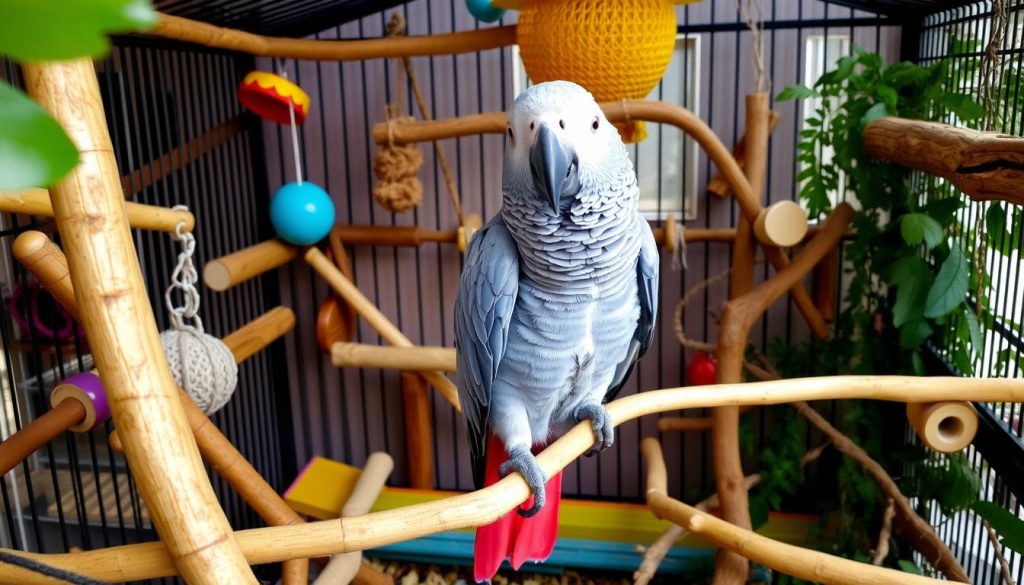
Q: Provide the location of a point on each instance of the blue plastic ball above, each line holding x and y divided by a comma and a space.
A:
484, 11
302, 214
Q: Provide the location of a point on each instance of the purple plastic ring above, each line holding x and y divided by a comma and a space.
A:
87, 389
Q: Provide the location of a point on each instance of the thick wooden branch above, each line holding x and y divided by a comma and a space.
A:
717, 185
88, 205
918, 533
276, 544
984, 165
177, 28
792, 560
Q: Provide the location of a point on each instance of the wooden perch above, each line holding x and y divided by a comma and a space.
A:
657, 551
146, 217
222, 273
88, 206
984, 165
44, 260
369, 312
410, 359
718, 185
918, 533
177, 28
792, 560
279, 543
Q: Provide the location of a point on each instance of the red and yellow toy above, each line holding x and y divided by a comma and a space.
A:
270, 97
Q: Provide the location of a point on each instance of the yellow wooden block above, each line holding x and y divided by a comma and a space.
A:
322, 488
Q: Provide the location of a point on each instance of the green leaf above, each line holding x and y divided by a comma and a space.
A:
909, 567
918, 227
995, 225
974, 330
913, 279
962, 105
888, 95
914, 333
34, 150
1009, 527
796, 92
917, 363
950, 287
874, 112
35, 30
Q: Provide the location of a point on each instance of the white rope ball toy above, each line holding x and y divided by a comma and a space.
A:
201, 364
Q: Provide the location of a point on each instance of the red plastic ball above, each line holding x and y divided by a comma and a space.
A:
702, 370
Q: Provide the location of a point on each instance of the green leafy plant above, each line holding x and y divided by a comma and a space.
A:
1009, 526
909, 278
34, 150
910, 275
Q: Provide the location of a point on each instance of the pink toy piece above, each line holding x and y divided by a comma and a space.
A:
87, 389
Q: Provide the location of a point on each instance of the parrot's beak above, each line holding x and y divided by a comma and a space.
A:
554, 167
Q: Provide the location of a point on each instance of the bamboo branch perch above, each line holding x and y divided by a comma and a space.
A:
792, 560
279, 543
177, 28
918, 533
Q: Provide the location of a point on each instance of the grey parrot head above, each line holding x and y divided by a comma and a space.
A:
558, 144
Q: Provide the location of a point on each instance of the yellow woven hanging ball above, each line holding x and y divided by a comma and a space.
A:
617, 49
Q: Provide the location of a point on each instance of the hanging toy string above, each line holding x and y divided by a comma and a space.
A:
184, 279
295, 135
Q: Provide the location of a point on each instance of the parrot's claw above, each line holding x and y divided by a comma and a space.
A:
604, 431
522, 461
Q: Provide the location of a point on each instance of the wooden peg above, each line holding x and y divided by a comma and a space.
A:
145, 217
782, 224
946, 427
227, 271
413, 359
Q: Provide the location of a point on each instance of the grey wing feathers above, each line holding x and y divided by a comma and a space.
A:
483, 312
647, 291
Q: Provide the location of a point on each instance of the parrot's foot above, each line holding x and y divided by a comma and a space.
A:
604, 431
522, 461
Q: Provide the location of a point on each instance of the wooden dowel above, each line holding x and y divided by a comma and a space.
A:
201, 33
792, 560
419, 431
344, 568
259, 333
41, 257
984, 165
227, 271
146, 217
412, 359
48, 264
718, 185
732, 569
826, 285
645, 110
801, 298
374, 235
275, 544
38, 433
179, 157
89, 208
368, 311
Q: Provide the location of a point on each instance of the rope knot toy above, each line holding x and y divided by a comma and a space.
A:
398, 188
200, 363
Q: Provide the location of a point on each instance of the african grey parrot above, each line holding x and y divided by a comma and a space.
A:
556, 304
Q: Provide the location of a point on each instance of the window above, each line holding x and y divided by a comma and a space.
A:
666, 162
822, 54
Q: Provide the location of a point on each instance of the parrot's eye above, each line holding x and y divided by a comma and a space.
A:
509, 130
595, 124
561, 124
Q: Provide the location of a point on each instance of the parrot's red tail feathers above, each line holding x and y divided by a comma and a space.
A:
536, 538
512, 536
